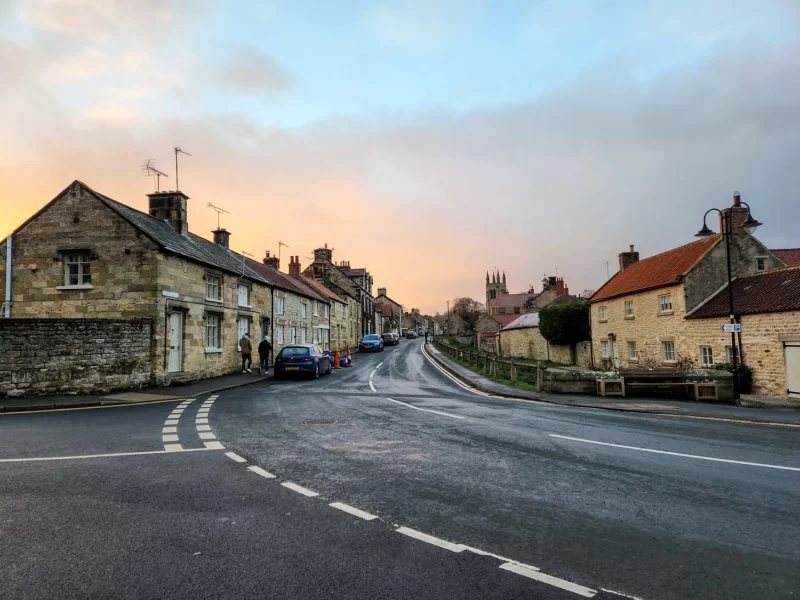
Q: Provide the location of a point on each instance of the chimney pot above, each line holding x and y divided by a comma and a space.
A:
222, 237
631, 247
737, 199
272, 262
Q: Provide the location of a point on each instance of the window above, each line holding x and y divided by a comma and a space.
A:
604, 349
761, 264
602, 314
76, 269
327, 311
244, 327
293, 335
279, 308
628, 309
502, 311
212, 331
304, 335
304, 310
213, 288
729, 351
316, 308
516, 310
706, 356
633, 354
669, 351
665, 303
279, 334
244, 295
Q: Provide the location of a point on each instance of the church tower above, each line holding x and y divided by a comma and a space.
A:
494, 288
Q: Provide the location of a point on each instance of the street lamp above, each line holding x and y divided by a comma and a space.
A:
749, 225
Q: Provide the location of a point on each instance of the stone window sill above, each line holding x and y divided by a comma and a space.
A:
666, 313
630, 317
218, 301
213, 350
87, 286
603, 321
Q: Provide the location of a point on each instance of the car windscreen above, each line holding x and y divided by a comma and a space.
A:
293, 352
371, 338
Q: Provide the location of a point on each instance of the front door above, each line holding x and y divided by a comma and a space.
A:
791, 353
175, 342
615, 353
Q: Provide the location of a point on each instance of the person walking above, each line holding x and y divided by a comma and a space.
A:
247, 353
264, 348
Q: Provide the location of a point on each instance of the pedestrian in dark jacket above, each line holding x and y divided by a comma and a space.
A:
264, 348
247, 353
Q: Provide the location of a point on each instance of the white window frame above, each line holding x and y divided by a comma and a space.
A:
279, 307
602, 314
604, 349
665, 351
633, 352
213, 331
665, 303
77, 264
316, 308
292, 335
304, 310
279, 334
243, 326
243, 293
304, 335
213, 283
327, 311
706, 355
729, 353
629, 313
763, 262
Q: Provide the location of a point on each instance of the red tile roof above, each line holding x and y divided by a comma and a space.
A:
656, 271
776, 290
504, 319
512, 300
386, 309
791, 256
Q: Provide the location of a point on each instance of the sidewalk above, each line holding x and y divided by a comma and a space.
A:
155, 394
687, 408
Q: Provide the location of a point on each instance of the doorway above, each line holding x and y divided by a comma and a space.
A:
175, 360
791, 352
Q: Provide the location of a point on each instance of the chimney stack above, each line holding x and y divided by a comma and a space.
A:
323, 254
561, 289
294, 267
171, 207
626, 259
381, 291
272, 262
221, 237
738, 215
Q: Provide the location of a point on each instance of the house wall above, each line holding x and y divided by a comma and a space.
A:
293, 317
123, 263
529, 343
52, 356
339, 326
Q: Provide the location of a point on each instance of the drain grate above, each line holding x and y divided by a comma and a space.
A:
318, 421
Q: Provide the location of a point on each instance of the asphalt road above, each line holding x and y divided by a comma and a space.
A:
524, 500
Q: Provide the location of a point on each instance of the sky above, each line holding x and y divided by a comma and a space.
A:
426, 140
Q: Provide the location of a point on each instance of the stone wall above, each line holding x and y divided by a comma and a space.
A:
58, 356
529, 343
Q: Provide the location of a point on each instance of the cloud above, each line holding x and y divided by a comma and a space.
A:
250, 69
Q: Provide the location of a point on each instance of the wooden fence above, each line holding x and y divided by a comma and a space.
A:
492, 366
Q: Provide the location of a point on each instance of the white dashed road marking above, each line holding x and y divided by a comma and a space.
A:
299, 489
169, 433
214, 446
429, 539
353, 511
235, 457
436, 412
549, 580
262, 472
113, 455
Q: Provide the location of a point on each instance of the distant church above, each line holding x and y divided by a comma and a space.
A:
500, 303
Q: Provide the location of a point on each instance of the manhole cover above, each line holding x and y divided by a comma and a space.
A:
318, 421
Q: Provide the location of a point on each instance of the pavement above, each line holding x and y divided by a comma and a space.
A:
393, 480
687, 408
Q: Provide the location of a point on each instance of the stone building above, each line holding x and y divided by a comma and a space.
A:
500, 302
338, 321
521, 339
638, 314
364, 281
392, 312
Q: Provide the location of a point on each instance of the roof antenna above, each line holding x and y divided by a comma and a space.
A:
280, 243
177, 151
243, 259
607, 274
149, 170
218, 210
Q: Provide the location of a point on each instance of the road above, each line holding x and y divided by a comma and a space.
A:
390, 480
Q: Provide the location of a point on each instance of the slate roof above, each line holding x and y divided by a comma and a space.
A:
512, 300
321, 288
386, 309
284, 281
656, 271
791, 256
525, 321
354, 272
776, 290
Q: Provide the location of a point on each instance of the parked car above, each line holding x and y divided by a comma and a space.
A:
302, 358
389, 339
411, 334
371, 342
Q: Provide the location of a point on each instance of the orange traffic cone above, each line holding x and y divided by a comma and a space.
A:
337, 358
349, 362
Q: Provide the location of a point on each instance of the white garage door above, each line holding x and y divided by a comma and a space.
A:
791, 351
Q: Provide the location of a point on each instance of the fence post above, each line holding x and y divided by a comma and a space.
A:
538, 376
513, 371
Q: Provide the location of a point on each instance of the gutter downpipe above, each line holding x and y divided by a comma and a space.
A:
9, 250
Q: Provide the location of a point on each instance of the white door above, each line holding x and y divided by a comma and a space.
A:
791, 352
615, 353
175, 342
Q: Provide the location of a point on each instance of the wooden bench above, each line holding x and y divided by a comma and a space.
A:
667, 379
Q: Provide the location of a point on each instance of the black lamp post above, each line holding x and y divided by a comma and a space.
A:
749, 225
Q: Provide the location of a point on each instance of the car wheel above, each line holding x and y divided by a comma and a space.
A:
330, 368
316, 371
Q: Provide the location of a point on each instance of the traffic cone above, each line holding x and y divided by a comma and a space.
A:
349, 360
337, 358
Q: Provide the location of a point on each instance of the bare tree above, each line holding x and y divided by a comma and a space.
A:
587, 293
468, 310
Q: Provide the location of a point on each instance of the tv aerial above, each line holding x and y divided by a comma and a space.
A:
217, 210
149, 170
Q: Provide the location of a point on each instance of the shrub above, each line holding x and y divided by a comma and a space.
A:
565, 324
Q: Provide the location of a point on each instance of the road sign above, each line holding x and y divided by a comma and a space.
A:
732, 328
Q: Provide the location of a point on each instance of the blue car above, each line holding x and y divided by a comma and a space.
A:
371, 342
302, 358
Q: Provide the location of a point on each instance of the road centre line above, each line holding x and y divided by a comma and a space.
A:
260, 471
299, 489
235, 457
429, 539
680, 454
549, 579
353, 511
620, 594
112, 455
436, 412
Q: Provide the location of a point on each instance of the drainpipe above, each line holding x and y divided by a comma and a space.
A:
8, 277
